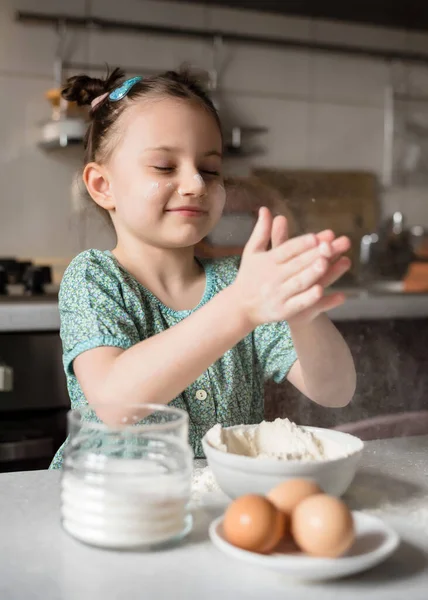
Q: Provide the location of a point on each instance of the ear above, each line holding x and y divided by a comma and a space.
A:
97, 183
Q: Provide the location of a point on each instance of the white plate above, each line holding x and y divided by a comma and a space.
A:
374, 542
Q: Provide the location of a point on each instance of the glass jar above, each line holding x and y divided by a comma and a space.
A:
127, 486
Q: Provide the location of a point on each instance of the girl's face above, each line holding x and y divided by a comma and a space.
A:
164, 176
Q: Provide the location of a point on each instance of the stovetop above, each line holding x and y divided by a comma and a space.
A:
22, 281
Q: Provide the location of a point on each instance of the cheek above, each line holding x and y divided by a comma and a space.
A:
144, 200
152, 192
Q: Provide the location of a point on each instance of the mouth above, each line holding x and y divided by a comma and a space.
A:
188, 211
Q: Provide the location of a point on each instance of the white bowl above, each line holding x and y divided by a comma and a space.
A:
238, 475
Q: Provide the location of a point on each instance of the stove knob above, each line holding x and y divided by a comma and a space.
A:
34, 280
22, 267
3, 281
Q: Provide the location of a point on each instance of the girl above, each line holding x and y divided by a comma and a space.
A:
148, 322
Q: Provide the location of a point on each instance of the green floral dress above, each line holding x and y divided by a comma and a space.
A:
101, 304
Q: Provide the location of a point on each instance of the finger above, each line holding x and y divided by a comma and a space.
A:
279, 231
301, 302
341, 245
325, 304
304, 279
261, 235
300, 244
294, 247
299, 252
304, 260
325, 236
336, 271
334, 248
331, 301
328, 236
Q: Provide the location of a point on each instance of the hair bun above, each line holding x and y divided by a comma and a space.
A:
83, 89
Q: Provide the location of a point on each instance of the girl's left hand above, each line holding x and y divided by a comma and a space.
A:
339, 265
333, 249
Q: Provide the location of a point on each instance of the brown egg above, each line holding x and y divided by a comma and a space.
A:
322, 525
253, 523
288, 494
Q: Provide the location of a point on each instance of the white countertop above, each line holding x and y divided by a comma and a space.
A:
34, 315
42, 315
371, 307
40, 561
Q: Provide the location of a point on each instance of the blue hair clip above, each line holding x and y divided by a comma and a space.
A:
121, 91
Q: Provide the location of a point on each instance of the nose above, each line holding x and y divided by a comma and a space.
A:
192, 185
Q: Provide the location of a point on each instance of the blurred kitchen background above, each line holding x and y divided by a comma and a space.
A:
325, 111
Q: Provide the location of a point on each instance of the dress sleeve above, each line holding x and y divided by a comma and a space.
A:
274, 350
92, 310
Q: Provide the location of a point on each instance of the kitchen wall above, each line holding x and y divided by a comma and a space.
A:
322, 110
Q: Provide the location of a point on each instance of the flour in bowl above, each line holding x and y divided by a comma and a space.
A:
281, 439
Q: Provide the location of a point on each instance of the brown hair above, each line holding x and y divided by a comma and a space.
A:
83, 90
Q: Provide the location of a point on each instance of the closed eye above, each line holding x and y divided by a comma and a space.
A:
203, 171
213, 173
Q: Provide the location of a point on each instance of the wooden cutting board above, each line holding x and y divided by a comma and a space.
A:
345, 201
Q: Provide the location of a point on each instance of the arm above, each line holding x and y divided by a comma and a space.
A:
271, 285
325, 371
159, 368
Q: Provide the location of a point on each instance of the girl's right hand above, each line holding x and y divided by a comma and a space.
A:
281, 282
